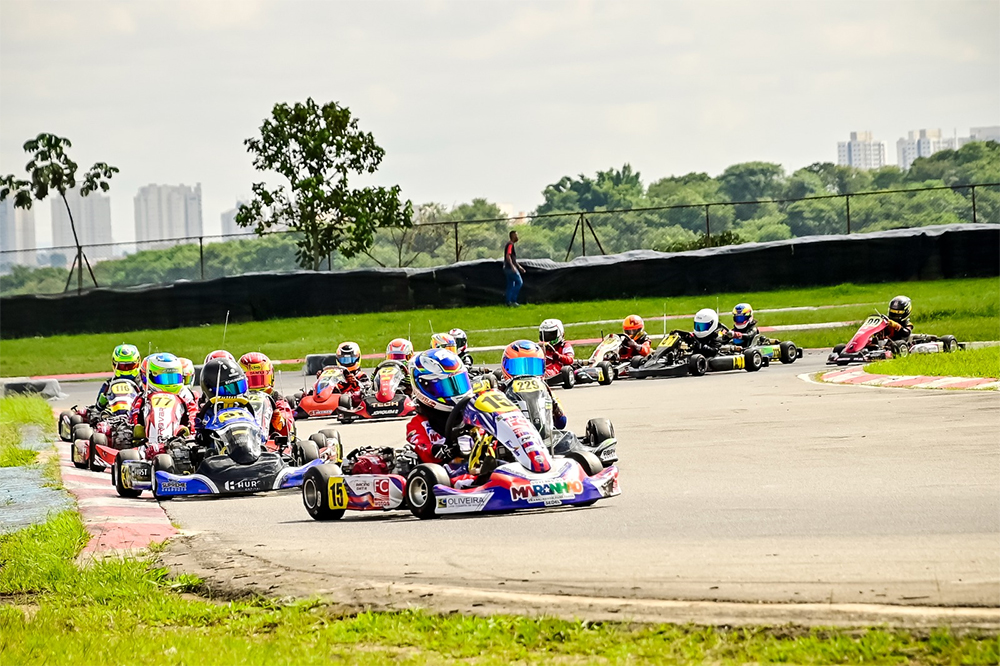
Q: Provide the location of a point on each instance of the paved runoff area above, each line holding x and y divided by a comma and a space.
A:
736, 487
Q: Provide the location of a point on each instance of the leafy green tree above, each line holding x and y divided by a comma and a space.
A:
819, 216
804, 183
51, 170
610, 190
318, 150
661, 191
841, 179
752, 181
888, 178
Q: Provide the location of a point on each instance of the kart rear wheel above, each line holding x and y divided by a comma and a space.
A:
307, 452
164, 462
752, 360
636, 362
607, 373
315, 492
82, 431
420, 489
95, 440
116, 473
788, 352
950, 343
697, 365
900, 349
568, 377
66, 424
599, 430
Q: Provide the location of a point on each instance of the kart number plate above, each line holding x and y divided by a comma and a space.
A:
527, 385
338, 493
222, 417
160, 401
494, 402
122, 388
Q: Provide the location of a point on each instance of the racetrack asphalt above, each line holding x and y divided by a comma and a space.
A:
743, 487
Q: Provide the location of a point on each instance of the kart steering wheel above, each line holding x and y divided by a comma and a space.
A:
455, 421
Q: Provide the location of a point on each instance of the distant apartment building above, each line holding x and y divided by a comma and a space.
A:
17, 236
92, 218
926, 142
991, 133
166, 212
862, 151
228, 218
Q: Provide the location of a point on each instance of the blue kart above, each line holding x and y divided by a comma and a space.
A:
230, 460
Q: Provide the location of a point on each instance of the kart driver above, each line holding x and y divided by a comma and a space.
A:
524, 358
220, 378
711, 335
558, 352
164, 373
125, 360
461, 345
444, 341
349, 358
400, 350
744, 325
260, 377
636, 341
899, 319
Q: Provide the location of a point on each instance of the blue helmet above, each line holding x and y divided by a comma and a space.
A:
742, 316
439, 379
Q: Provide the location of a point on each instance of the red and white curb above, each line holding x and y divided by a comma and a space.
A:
857, 376
116, 524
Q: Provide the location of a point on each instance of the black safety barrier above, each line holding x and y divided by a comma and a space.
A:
923, 253
46, 388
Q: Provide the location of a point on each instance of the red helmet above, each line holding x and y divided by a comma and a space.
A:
259, 371
633, 326
219, 353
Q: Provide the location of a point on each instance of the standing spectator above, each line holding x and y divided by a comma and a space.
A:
512, 270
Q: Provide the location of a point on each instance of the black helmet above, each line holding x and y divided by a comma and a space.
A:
899, 309
223, 377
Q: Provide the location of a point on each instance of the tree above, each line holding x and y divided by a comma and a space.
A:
51, 169
610, 190
752, 181
318, 150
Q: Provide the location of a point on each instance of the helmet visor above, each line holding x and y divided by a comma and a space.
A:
739, 319
702, 326
548, 336
347, 360
396, 355
524, 365
450, 387
166, 378
233, 388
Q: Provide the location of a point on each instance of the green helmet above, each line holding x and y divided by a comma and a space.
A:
165, 373
125, 359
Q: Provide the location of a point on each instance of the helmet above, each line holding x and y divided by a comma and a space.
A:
219, 353
523, 357
899, 309
144, 372
705, 322
439, 379
125, 359
551, 331
461, 339
349, 356
187, 370
399, 349
259, 371
165, 373
742, 316
444, 341
633, 326
223, 377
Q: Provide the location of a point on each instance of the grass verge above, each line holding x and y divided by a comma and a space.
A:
968, 309
115, 611
17, 411
983, 362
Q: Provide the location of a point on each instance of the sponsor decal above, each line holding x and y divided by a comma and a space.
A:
173, 486
243, 485
321, 412
608, 454
385, 411
546, 492
463, 502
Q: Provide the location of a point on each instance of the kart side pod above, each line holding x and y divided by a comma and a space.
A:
750, 360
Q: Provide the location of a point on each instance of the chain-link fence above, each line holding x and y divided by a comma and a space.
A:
557, 236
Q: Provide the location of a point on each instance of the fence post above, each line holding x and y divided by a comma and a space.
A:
847, 200
708, 223
457, 257
583, 235
974, 218
79, 270
201, 255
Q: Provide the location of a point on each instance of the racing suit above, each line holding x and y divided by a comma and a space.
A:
423, 433
746, 336
353, 385
710, 345
189, 415
899, 332
640, 347
559, 418
556, 356
282, 416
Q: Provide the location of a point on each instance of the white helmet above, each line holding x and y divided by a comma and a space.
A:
551, 331
705, 322
461, 340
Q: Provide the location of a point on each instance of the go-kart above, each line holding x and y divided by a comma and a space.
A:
97, 435
233, 461
535, 479
263, 411
775, 350
383, 398
324, 398
532, 398
673, 357
121, 389
872, 343
602, 366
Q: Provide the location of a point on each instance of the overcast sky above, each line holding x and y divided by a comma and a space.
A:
490, 99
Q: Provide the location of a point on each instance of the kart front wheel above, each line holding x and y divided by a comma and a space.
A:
838, 348
591, 465
697, 365
568, 377
788, 352
420, 489
316, 492
95, 440
307, 452
607, 373
599, 430
116, 473
753, 360
164, 462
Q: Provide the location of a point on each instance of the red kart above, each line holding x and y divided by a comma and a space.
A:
110, 424
871, 343
384, 398
324, 398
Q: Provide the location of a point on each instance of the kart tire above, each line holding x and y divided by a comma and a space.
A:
599, 430
900, 350
82, 431
591, 465
607, 371
697, 365
308, 451
636, 362
317, 438
315, 497
420, 489
752, 360
788, 352
568, 377
838, 348
164, 462
66, 425
116, 473
950, 343
95, 439
296, 399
